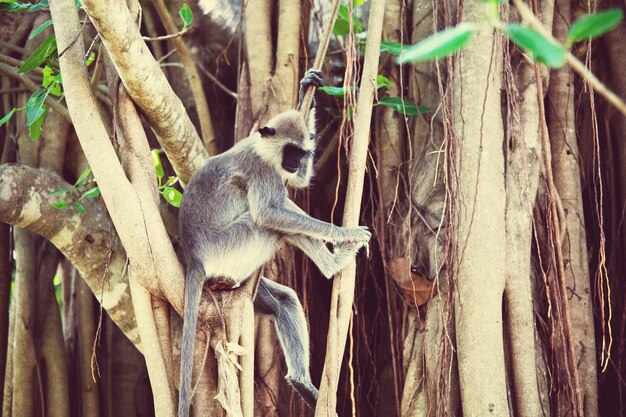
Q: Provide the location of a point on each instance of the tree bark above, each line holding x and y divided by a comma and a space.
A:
565, 156
480, 222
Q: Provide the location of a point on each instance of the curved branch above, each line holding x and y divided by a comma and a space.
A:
89, 242
145, 82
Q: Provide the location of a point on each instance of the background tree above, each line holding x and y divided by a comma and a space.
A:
492, 184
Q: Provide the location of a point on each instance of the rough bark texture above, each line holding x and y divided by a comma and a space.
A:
147, 85
480, 220
565, 156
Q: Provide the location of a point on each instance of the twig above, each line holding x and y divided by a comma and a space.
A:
573, 62
319, 58
193, 77
54, 105
166, 37
218, 82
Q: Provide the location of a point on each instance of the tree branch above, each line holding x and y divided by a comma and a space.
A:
87, 241
145, 82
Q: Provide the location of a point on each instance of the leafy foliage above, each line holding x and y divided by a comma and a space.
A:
533, 42
402, 105
186, 14
73, 195
439, 45
171, 194
342, 24
593, 25
43, 51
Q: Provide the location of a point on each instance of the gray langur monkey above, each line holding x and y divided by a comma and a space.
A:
234, 213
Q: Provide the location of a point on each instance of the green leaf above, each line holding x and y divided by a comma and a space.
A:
80, 208
593, 25
61, 204
186, 14
7, 116
91, 193
40, 28
82, 177
158, 167
342, 24
333, 91
23, 7
394, 48
400, 105
170, 181
59, 191
439, 45
35, 107
34, 129
172, 196
382, 81
52, 81
533, 42
43, 51
357, 3
90, 59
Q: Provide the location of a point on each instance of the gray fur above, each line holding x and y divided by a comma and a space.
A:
234, 213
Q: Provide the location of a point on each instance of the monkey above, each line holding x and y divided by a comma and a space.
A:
235, 212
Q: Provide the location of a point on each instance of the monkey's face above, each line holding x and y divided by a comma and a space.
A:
289, 146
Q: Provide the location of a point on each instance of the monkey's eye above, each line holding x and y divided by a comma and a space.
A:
267, 131
312, 136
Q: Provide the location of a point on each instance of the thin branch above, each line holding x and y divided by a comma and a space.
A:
343, 286
166, 37
573, 62
54, 105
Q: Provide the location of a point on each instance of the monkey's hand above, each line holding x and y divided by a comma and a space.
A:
312, 78
359, 234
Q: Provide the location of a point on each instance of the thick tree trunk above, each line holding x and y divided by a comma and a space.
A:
480, 218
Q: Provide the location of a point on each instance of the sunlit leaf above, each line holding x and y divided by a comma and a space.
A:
382, 81
40, 28
172, 196
158, 167
43, 51
595, 24
542, 49
82, 177
52, 81
91, 193
186, 14
7, 116
170, 181
403, 106
90, 58
439, 45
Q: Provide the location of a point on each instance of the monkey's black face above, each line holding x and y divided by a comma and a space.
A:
292, 157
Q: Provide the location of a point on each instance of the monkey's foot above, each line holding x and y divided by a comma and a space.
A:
307, 391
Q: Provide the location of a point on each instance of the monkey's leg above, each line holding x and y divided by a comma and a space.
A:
194, 280
329, 263
282, 303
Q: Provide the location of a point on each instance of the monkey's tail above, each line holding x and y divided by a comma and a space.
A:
193, 290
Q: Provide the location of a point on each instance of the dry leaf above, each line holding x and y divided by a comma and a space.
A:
416, 288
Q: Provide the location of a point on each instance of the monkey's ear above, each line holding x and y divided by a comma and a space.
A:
267, 131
